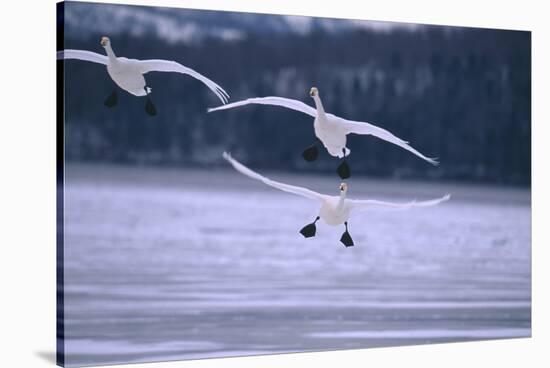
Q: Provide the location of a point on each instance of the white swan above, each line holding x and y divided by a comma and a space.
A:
128, 73
330, 129
335, 210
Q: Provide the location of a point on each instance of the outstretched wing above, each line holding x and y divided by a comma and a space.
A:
271, 100
367, 203
284, 187
358, 127
82, 55
175, 67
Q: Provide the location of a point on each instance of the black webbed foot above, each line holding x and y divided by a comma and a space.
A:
150, 108
112, 100
310, 153
343, 169
346, 238
309, 230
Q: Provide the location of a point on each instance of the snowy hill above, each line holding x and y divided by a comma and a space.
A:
191, 26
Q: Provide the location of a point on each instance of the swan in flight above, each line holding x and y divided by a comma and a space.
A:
330, 129
334, 210
128, 73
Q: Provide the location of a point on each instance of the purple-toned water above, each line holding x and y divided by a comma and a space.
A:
178, 264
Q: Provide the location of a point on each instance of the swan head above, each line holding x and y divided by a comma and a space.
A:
343, 188
105, 41
314, 92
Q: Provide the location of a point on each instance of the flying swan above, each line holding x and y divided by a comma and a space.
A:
330, 129
335, 210
128, 73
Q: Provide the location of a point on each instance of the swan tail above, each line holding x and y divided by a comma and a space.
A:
337, 152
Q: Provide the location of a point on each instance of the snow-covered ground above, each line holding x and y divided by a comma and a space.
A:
176, 264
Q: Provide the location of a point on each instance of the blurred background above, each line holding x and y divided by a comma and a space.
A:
460, 94
171, 254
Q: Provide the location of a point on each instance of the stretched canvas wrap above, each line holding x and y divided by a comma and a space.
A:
237, 184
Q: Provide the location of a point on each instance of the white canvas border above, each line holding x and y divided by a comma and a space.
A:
27, 197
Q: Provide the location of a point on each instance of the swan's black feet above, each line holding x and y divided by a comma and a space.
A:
310, 153
346, 238
309, 230
150, 108
343, 169
112, 100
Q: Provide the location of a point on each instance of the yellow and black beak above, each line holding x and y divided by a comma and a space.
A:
104, 41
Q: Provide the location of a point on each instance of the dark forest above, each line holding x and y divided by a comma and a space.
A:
460, 94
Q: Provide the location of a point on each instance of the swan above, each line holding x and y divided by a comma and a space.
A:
128, 73
334, 210
330, 129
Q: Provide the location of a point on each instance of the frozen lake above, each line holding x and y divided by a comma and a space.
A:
165, 264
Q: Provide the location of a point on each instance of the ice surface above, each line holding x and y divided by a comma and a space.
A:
178, 264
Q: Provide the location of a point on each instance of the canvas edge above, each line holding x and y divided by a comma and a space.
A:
60, 160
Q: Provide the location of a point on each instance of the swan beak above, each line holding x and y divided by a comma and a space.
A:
343, 186
313, 91
104, 41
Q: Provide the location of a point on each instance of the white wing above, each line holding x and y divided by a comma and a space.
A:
358, 127
275, 101
284, 187
361, 204
172, 66
82, 55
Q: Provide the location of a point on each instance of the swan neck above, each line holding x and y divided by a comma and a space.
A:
342, 199
110, 53
318, 105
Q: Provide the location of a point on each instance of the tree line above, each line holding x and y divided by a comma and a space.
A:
460, 94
